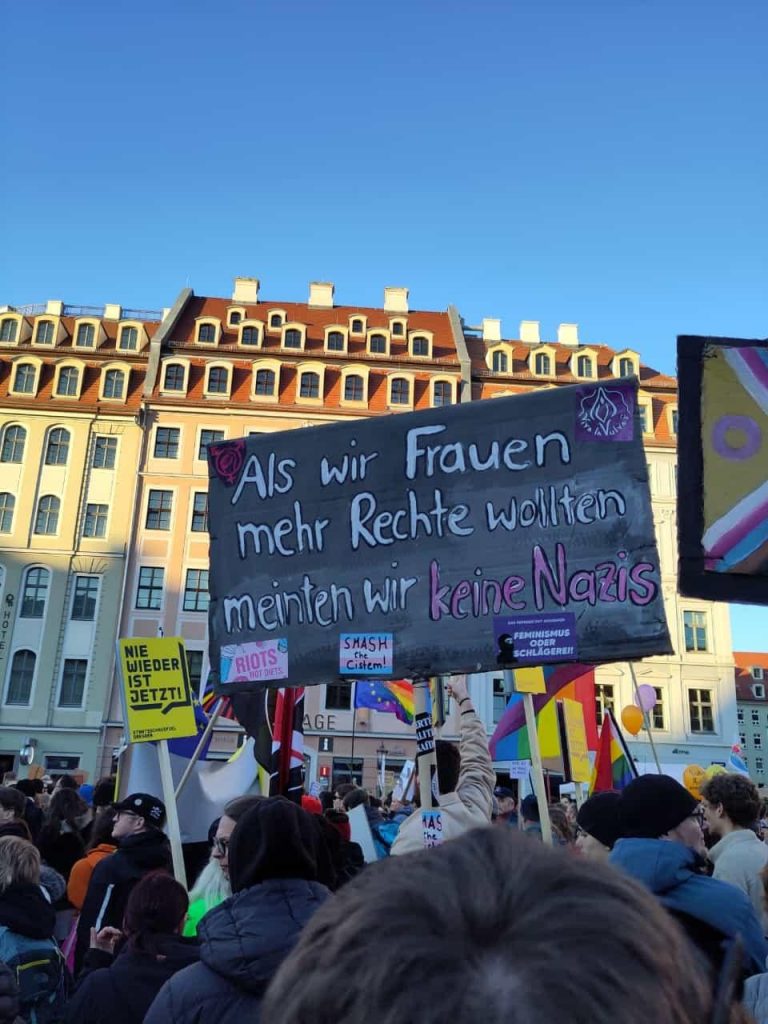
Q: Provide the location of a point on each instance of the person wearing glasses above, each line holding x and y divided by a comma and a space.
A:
663, 847
141, 847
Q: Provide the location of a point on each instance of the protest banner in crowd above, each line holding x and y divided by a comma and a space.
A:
517, 531
722, 482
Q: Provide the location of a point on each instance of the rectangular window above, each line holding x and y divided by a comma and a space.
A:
95, 524
755, 716
743, 739
643, 410
208, 437
757, 740
73, 683
338, 696
104, 452
167, 443
346, 770
759, 691
700, 707
86, 596
195, 670
658, 717
757, 672
196, 591
159, 508
674, 422
150, 590
759, 765
200, 512
35, 594
695, 629
740, 714
499, 699
604, 700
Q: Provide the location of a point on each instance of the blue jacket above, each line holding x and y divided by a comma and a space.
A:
670, 871
243, 941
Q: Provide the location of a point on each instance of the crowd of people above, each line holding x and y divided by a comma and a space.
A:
650, 905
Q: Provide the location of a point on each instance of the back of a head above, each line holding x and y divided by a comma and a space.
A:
738, 795
240, 806
104, 792
27, 787
277, 839
12, 799
19, 863
67, 782
599, 816
157, 905
529, 809
66, 805
356, 798
487, 928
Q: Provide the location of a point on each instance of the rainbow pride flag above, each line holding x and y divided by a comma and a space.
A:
614, 766
510, 738
394, 697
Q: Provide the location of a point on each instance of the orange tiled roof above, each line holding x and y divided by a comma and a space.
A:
745, 662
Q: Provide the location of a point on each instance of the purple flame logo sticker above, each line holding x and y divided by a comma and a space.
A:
606, 414
227, 459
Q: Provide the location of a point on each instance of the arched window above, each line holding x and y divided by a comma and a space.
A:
85, 336
66, 386
400, 393
397, 329
626, 367
335, 341
173, 378
44, 332
542, 364
234, 318
57, 449
47, 518
7, 505
34, 594
129, 339
310, 385
442, 393
24, 379
22, 674
206, 333
8, 329
114, 384
584, 367
218, 380
357, 327
265, 382
14, 439
378, 344
276, 320
250, 336
500, 362
292, 338
353, 388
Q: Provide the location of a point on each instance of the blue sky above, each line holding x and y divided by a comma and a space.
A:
601, 162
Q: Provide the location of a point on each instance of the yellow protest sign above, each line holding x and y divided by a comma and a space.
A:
156, 693
576, 738
530, 680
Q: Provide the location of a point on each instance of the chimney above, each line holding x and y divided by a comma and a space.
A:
491, 329
395, 300
568, 334
112, 311
321, 294
55, 307
529, 332
246, 289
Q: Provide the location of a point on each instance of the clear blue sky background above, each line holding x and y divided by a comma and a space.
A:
602, 162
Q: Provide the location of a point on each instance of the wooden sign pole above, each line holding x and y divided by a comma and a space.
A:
537, 769
171, 811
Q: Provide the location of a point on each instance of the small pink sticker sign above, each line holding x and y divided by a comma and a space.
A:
260, 661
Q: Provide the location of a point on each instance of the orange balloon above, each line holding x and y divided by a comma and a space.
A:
632, 719
693, 776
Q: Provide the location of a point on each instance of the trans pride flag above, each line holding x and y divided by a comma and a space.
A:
393, 698
614, 767
510, 739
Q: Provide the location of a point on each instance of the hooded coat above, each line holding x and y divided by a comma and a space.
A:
113, 880
709, 910
120, 990
278, 864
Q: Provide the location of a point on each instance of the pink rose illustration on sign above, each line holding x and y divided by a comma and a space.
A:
606, 414
227, 459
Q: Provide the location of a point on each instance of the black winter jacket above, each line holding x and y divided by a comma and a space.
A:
120, 990
113, 880
243, 941
9, 1000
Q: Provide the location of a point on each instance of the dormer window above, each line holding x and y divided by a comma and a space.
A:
264, 384
250, 336
335, 341
397, 329
292, 338
129, 339
206, 334
173, 378
234, 318
542, 364
276, 320
67, 385
442, 393
757, 672
353, 388
626, 367
218, 381
8, 329
86, 336
114, 384
357, 326
584, 367
310, 385
759, 691
500, 362
44, 333
377, 344
24, 379
673, 421
400, 393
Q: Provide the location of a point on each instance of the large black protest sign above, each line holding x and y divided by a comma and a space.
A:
453, 540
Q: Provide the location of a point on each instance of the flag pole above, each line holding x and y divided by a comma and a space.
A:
646, 722
354, 720
200, 746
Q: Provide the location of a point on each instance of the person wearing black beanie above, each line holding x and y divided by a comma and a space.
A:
663, 847
281, 872
599, 825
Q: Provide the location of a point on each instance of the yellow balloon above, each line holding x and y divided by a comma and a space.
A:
632, 719
715, 769
693, 776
